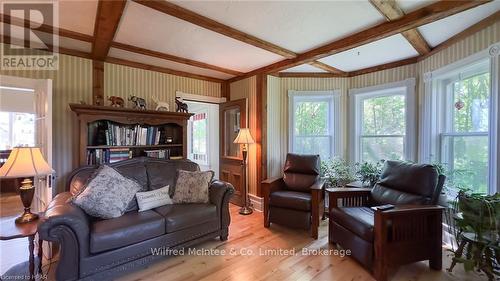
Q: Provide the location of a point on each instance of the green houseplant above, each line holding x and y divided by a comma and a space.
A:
369, 172
337, 172
477, 235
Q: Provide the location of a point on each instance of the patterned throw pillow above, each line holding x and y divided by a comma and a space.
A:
107, 194
154, 198
192, 187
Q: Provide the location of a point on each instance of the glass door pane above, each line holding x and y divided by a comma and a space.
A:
231, 129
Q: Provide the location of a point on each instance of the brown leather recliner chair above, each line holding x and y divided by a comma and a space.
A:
408, 233
296, 199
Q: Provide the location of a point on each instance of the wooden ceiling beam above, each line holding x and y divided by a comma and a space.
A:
107, 19
384, 66
425, 15
161, 69
328, 68
173, 58
391, 11
207, 23
7, 19
307, 75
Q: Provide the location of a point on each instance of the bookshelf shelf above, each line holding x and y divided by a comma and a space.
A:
109, 134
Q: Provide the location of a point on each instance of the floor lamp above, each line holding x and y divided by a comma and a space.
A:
245, 138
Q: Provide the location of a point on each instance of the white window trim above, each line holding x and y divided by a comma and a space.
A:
207, 139
428, 108
335, 126
359, 94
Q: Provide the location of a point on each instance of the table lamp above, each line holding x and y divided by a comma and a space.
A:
244, 137
27, 163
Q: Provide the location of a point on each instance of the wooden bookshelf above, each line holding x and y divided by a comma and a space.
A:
103, 129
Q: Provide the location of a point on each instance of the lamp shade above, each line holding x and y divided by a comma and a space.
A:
244, 137
25, 162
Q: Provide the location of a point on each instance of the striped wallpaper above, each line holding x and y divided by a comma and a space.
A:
72, 83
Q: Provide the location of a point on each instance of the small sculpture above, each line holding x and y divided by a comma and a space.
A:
181, 106
116, 101
160, 105
140, 103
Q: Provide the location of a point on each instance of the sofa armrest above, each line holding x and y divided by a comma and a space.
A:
220, 192
68, 226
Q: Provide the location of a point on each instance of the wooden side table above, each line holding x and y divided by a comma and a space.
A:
10, 230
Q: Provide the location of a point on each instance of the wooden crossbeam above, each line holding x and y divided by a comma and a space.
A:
107, 19
391, 11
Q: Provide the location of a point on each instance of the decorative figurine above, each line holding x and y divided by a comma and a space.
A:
140, 103
181, 106
116, 101
160, 105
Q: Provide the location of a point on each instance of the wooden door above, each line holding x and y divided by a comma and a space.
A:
232, 117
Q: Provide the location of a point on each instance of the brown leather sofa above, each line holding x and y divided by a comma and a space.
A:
96, 249
408, 233
296, 199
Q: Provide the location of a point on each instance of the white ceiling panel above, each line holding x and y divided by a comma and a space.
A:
411, 5
78, 15
383, 51
147, 28
295, 25
17, 33
121, 54
304, 68
437, 32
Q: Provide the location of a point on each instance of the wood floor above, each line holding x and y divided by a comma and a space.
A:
246, 260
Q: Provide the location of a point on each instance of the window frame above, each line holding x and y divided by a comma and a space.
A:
207, 138
334, 117
433, 129
358, 95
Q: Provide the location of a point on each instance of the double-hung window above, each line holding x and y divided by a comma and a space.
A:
315, 123
198, 138
382, 122
460, 124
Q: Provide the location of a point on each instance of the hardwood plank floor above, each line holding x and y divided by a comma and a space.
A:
246, 259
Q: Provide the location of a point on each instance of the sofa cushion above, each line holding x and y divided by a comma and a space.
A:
182, 216
359, 220
161, 173
131, 228
192, 187
291, 200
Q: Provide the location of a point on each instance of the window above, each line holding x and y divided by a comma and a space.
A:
315, 123
16, 129
383, 122
199, 138
458, 106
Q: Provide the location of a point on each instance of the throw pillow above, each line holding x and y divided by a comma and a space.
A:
107, 193
154, 198
192, 187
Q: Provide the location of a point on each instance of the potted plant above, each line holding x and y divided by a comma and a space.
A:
369, 172
337, 172
477, 235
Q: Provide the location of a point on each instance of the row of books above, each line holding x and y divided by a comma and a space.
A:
109, 155
109, 133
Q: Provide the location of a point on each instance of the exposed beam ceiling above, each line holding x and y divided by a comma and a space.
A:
412, 20
45, 28
383, 66
161, 69
172, 58
328, 68
391, 11
210, 24
107, 19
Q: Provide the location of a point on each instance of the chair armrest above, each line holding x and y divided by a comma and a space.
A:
348, 197
318, 185
271, 185
220, 192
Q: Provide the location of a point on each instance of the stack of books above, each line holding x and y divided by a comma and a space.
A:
107, 155
159, 153
109, 133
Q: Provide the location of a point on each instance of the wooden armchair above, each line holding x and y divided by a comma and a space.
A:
408, 233
297, 198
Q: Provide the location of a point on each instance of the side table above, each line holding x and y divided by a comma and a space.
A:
10, 230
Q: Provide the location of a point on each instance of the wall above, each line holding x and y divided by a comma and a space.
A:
72, 83
277, 90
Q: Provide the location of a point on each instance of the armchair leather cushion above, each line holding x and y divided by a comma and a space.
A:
182, 216
291, 200
131, 228
358, 220
301, 171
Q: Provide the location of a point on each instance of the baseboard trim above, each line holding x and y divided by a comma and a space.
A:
257, 202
